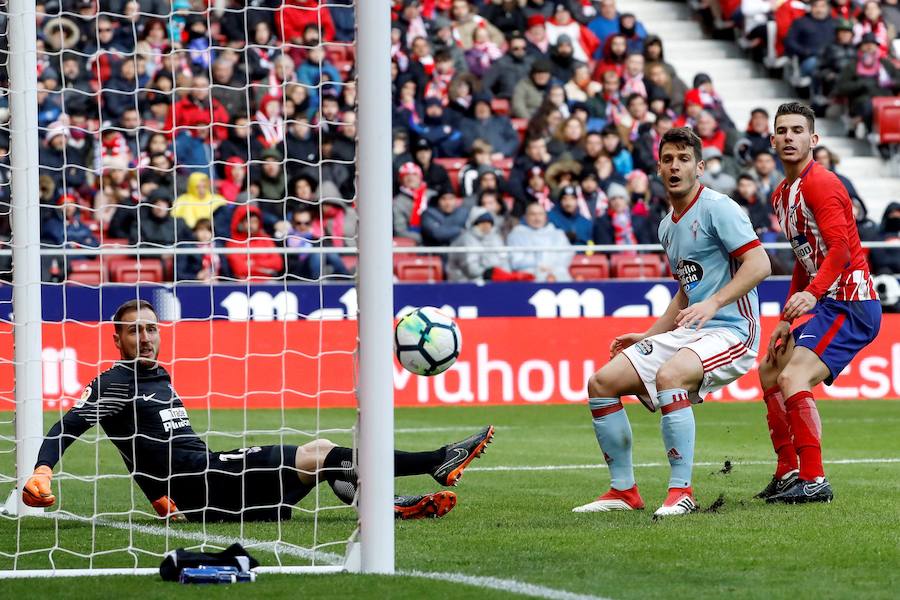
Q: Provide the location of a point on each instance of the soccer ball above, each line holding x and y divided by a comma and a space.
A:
427, 341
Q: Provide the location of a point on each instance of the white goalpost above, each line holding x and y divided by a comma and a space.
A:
257, 359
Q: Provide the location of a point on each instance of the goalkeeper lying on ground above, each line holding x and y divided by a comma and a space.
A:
136, 405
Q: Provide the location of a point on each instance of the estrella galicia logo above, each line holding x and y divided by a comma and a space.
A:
801, 246
645, 347
689, 273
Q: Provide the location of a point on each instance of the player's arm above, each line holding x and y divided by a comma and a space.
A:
37, 491
828, 207
666, 322
754, 267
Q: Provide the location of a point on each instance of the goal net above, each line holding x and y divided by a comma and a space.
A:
201, 156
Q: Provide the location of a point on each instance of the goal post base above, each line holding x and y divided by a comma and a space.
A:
12, 507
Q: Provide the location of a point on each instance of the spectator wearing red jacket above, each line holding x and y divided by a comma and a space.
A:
297, 14
196, 123
247, 232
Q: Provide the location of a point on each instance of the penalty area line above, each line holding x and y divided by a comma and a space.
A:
331, 559
844, 461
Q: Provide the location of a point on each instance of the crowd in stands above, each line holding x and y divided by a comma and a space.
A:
527, 123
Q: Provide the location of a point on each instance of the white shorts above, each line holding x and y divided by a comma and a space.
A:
723, 354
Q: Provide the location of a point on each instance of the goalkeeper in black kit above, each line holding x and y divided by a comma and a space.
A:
137, 407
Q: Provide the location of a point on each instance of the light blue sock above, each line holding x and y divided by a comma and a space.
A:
678, 431
614, 435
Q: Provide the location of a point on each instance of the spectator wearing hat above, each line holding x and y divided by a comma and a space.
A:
477, 267
562, 59
444, 221
620, 226
536, 231
593, 199
538, 46
434, 175
509, 69
536, 190
157, 227
269, 121
198, 202
271, 180
411, 202
295, 16
444, 139
809, 34
711, 100
583, 41
567, 217
714, 176
444, 43
833, 59
693, 106
765, 173
613, 146
868, 77
755, 138
634, 32
709, 132
528, 94
485, 125
466, 21
543, 8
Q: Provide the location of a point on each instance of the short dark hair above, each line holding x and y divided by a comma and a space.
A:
683, 137
130, 306
798, 108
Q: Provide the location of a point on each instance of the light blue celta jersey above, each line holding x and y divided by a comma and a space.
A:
702, 247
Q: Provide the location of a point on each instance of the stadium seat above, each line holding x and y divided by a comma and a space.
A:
419, 268
401, 242
886, 119
453, 166
589, 268
520, 125
638, 266
135, 271
86, 272
500, 106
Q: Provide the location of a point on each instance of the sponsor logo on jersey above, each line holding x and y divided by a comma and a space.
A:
801, 246
689, 273
174, 418
84, 397
645, 347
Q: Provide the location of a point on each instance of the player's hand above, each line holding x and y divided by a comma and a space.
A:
797, 305
165, 507
697, 314
623, 341
778, 342
37, 491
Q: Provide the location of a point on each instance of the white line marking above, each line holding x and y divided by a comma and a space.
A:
439, 429
329, 558
846, 461
504, 585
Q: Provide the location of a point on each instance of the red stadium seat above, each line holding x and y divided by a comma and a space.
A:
500, 106
401, 242
886, 119
638, 266
520, 125
86, 272
419, 268
453, 166
589, 268
135, 271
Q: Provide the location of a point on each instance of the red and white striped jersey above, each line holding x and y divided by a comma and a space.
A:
816, 216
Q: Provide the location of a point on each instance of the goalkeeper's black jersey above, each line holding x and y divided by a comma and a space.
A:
142, 415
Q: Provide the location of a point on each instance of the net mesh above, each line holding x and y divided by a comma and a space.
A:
200, 156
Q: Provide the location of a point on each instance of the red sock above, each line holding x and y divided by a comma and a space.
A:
807, 429
780, 431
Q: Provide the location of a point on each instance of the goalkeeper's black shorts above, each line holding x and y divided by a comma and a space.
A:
249, 484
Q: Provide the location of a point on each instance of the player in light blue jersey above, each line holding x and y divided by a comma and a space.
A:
707, 338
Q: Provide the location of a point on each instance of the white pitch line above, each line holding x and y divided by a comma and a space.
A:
845, 461
504, 585
493, 583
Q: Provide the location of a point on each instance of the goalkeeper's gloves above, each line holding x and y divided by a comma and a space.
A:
37, 492
165, 507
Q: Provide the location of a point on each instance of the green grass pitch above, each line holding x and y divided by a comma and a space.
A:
516, 524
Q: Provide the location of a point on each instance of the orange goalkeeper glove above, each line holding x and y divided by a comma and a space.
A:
165, 507
37, 492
